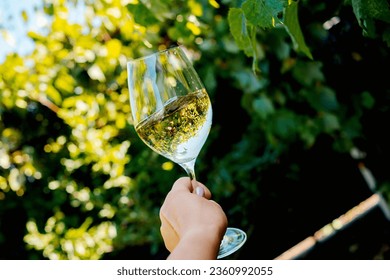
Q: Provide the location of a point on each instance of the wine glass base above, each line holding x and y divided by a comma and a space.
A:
232, 241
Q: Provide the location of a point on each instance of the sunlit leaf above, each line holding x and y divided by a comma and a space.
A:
262, 13
195, 8
239, 30
96, 73
292, 25
114, 48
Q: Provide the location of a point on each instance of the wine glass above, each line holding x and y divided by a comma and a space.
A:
172, 114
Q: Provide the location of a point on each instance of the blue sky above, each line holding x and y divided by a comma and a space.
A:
13, 39
13, 27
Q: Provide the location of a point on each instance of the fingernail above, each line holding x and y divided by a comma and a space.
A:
199, 191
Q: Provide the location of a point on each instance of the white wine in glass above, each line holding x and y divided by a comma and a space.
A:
172, 114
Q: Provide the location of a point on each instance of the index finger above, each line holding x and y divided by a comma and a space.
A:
184, 183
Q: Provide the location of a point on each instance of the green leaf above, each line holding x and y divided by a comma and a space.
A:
248, 81
262, 13
352, 128
367, 9
323, 99
330, 122
285, 124
308, 73
239, 31
142, 15
367, 100
294, 30
327, 99
161, 9
263, 107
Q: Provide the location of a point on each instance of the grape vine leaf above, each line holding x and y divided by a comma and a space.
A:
293, 28
142, 15
262, 13
369, 12
239, 30
265, 14
371, 9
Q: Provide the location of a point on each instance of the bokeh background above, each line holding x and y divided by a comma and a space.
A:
300, 92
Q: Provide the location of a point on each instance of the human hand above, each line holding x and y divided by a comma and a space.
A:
192, 225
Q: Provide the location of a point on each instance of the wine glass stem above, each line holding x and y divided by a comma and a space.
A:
189, 167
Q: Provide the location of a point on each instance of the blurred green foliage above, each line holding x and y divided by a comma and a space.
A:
82, 181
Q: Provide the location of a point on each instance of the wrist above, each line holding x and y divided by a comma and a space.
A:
199, 243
